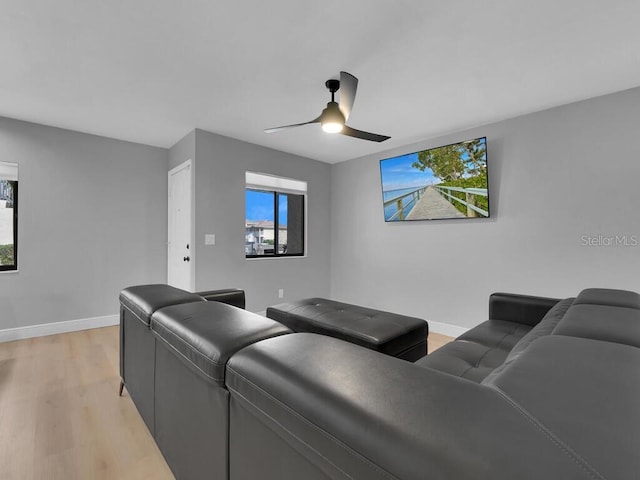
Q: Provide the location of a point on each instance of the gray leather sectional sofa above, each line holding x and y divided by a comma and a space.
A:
545, 389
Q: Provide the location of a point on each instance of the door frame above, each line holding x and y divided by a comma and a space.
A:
192, 247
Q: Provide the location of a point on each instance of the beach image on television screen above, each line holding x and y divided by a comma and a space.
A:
439, 183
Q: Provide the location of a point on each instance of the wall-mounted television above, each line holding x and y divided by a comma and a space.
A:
440, 183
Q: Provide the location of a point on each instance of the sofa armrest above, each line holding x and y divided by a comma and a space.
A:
230, 296
525, 309
320, 406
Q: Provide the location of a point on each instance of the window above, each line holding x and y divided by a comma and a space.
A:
8, 216
274, 216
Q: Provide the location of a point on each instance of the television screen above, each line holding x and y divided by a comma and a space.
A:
443, 182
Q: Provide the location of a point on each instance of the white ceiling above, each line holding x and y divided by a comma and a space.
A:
150, 71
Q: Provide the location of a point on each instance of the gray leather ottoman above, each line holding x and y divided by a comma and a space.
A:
396, 335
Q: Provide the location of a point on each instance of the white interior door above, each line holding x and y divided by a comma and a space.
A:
180, 251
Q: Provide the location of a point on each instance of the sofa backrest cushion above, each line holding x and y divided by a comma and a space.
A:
206, 334
584, 395
603, 314
542, 329
231, 296
525, 309
608, 296
144, 300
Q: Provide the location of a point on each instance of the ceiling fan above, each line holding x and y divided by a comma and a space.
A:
333, 118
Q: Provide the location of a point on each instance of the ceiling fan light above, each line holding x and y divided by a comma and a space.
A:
332, 119
332, 127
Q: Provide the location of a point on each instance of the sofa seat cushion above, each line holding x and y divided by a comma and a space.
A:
206, 334
500, 334
390, 333
475, 354
465, 359
603, 314
144, 300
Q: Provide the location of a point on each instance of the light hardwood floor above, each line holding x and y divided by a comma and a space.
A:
61, 416
436, 340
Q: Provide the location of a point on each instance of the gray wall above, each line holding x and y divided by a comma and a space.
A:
555, 176
92, 220
182, 151
220, 167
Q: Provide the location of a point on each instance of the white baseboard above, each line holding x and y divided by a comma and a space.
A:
446, 329
20, 333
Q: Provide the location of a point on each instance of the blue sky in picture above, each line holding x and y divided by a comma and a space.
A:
397, 173
259, 206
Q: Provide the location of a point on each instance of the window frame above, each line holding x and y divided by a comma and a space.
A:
273, 185
13, 267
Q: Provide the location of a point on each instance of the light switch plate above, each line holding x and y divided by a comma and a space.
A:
209, 239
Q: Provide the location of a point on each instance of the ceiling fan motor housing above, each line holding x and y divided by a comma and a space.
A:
333, 85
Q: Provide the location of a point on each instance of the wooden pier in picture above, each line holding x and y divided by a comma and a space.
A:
433, 205
436, 201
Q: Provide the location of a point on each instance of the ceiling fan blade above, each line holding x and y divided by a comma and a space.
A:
348, 87
277, 129
374, 137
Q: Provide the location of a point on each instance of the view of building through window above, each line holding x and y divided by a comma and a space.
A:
8, 216
274, 220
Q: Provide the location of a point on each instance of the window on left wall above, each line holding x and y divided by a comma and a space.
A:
8, 216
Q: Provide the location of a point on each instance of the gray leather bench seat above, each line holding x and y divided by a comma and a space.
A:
194, 343
390, 333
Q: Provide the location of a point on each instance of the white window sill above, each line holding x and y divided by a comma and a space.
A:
267, 257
